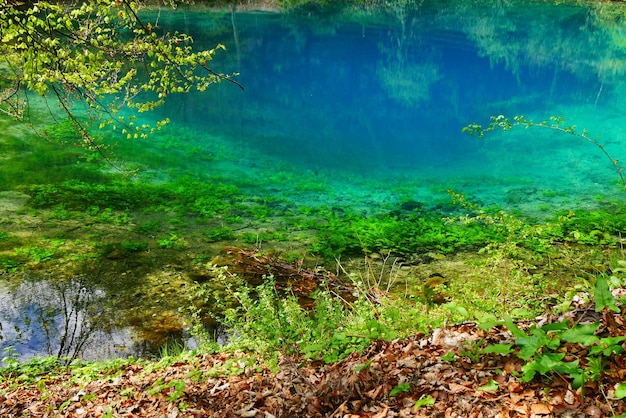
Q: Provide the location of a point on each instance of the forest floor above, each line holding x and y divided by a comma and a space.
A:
439, 375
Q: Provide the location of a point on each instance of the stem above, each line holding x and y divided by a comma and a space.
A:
614, 161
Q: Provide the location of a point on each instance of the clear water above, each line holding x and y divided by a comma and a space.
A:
364, 110
383, 98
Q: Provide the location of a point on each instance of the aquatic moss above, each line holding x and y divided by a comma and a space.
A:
184, 195
353, 235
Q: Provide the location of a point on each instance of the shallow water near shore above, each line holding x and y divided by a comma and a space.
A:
343, 111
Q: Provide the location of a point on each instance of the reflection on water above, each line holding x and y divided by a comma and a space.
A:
65, 318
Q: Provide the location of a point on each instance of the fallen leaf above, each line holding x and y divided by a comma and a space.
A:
540, 409
456, 388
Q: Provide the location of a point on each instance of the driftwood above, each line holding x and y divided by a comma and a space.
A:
254, 267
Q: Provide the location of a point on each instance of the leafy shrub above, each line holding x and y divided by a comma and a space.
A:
267, 322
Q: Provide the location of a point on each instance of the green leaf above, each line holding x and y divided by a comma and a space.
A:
401, 388
523, 313
556, 326
488, 324
531, 344
364, 366
608, 346
424, 401
620, 390
449, 357
603, 296
583, 334
515, 330
543, 363
492, 386
503, 349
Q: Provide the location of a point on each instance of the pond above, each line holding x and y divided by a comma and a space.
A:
344, 110
383, 97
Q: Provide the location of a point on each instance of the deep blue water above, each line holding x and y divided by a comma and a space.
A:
383, 96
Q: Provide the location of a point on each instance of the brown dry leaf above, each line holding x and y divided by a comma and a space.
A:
541, 409
316, 390
593, 411
375, 392
383, 413
527, 394
456, 388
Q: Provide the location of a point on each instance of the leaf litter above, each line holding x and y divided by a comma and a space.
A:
420, 376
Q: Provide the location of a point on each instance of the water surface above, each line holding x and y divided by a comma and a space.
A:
383, 96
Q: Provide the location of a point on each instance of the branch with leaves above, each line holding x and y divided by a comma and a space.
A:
92, 59
556, 123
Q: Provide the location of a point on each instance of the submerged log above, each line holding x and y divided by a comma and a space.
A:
254, 266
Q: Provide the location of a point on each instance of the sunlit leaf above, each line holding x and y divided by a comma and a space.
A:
583, 334
492, 386
620, 390
498, 349
424, 401
401, 388
603, 296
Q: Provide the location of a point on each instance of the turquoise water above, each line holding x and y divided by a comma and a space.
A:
358, 111
380, 99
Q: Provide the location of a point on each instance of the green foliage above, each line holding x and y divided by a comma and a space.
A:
256, 238
9, 264
174, 388
134, 246
100, 54
449, 357
173, 241
36, 254
184, 195
352, 234
267, 321
492, 386
148, 227
400, 388
220, 233
603, 296
495, 231
593, 227
424, 401
544, 348
30, 371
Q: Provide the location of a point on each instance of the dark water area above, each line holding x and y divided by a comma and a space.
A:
384, 96
358, 110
